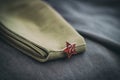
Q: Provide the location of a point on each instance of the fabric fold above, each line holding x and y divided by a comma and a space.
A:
36, 29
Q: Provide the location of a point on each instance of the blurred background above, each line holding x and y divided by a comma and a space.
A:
98, 21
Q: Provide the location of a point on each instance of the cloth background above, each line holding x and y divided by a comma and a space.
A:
99, 22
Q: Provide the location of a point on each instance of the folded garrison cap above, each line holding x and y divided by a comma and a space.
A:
36, 29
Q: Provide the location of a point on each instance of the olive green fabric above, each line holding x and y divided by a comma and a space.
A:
37, 30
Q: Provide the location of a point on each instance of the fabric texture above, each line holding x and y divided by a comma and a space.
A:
98, 21
41, 33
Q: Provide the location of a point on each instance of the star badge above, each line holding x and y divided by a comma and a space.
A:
70, 49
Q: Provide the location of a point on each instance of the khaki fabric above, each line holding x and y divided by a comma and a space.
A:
36, 29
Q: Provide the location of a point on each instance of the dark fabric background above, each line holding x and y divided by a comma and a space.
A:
99, 22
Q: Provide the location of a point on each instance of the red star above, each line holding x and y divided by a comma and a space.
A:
70, 49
